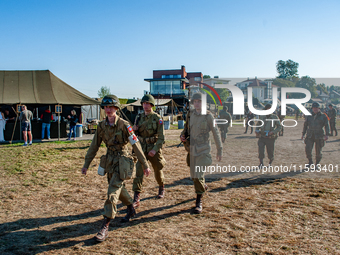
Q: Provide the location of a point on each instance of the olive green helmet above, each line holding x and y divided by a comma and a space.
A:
110, 100
147, 98
196, 96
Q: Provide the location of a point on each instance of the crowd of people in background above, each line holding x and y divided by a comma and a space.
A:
25, 117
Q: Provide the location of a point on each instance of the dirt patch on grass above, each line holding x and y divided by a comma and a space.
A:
48, 207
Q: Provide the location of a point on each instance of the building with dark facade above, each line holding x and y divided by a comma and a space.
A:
173, 83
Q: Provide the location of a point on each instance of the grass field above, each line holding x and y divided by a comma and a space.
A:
48, 207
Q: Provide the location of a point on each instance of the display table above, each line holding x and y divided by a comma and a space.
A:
36, 130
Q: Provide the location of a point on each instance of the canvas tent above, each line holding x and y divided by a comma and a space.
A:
159, 102
39, 87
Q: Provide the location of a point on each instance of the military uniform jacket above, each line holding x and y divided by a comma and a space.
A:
314, 125
226, 116
332, 114
270, 123
116, 138
200, 126
150, 131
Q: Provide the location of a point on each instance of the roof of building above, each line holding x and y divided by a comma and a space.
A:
255, 83
335, 92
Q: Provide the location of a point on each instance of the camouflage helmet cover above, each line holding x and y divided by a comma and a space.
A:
147, 98
110, 100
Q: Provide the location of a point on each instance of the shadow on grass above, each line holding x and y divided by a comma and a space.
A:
26, 236
71, 148
245, 137
18, 238
257, 180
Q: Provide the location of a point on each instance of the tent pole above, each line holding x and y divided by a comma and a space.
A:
172, 111
58, 126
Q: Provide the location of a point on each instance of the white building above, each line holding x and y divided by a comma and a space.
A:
262, 90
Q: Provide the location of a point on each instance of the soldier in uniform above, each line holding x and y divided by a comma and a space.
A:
198, 127
116, 133
281, 117
250, 116
224, 114
150, 130
267, 134
332, 119
313, 126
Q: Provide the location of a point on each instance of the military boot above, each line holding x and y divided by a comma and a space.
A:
130, 213
317, 162
136, 199
271, 162
261, 164
331, 134
104, 230
336, 132
161, 192
310, 162
198, 209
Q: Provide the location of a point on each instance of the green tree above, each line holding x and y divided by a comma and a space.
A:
307, 83
223, 93
287, 69
104, 91
283, 83
206, 76
322, 88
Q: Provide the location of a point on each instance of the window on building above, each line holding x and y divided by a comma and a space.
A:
197, 78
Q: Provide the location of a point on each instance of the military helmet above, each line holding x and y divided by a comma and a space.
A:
110, 100
316, 104
196, 96
268, 106
330, 105
147, 98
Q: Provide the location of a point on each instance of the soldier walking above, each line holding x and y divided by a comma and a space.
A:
116, 133
198, 127
224, 114
150, 130
267, 135
281, 117
313, 126
249, 117
332, 119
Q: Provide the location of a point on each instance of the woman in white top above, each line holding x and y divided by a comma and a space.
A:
2, 126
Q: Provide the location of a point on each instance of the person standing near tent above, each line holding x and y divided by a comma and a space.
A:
2, 126
25, 118
46, 118
116, 133
73, 123
150, 128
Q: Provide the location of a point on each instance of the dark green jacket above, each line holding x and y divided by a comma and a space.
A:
314, 125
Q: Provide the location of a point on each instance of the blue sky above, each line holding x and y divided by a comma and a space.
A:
117, 44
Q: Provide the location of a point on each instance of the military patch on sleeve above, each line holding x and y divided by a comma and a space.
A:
133, 139
129, 128
161, 121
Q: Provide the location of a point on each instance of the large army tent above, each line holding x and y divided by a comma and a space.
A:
38, 87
